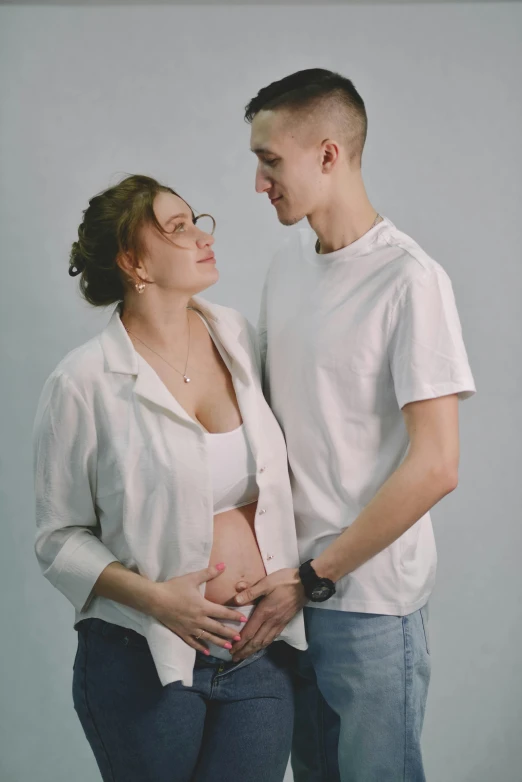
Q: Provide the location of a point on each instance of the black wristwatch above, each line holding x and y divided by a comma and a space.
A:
316, 589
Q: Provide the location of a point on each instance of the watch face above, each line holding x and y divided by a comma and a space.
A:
321, 592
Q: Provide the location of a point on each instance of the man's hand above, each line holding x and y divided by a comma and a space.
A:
283, 597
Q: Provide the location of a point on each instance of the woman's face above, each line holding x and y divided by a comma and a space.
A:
181, 260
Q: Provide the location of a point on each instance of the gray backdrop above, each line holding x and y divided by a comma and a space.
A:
91, 93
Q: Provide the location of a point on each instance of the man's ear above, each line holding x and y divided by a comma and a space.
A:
330, 155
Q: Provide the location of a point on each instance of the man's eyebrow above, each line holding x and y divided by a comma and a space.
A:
262, 151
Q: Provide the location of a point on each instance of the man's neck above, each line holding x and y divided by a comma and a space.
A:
344, 219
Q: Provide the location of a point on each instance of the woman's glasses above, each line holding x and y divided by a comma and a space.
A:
206, 223
185, 233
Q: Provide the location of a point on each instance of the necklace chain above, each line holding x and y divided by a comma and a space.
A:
377, 218
184, 373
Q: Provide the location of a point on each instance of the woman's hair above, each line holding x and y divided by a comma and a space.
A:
111, 225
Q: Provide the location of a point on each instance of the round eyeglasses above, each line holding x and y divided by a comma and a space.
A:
205, 223
185, 233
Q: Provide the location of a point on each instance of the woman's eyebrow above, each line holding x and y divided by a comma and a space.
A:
175, 217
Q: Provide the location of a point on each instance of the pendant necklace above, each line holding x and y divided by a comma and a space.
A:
184, 373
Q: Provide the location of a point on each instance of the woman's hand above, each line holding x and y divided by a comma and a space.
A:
180, 606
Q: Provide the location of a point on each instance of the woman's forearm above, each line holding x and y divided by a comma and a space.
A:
122, 585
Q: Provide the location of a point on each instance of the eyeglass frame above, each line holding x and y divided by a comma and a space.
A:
205, 214
195, 219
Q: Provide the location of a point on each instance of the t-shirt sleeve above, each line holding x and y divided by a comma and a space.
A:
426, 350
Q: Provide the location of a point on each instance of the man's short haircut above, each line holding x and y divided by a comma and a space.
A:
316, 90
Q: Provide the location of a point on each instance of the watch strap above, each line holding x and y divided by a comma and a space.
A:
311, 580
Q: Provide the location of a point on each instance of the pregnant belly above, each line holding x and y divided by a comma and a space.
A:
234, 544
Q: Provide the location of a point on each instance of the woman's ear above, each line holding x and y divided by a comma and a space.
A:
133, 273
126, 264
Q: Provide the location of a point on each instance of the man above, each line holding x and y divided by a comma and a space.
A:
364, 366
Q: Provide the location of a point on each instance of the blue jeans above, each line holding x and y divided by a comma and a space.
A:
234, 723
361, 690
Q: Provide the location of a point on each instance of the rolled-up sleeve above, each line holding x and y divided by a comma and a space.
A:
68, 546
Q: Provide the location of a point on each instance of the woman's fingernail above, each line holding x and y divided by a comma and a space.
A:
228, 646
239, 599
243, 619
220, 566
206, 651
237, 638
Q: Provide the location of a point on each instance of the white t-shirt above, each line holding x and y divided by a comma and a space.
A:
349, 338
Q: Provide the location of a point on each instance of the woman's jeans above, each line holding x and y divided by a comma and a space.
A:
360, 697
235, 722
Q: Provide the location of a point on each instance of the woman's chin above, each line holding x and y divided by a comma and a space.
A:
206, 280
209, 271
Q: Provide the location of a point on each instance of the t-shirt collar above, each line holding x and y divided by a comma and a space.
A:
360, 247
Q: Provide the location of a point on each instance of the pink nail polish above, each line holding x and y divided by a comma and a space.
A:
237, 638
243, 619
206, 651
228, 646
220, 566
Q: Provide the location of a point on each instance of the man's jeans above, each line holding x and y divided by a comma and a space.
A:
360, 698
233, 724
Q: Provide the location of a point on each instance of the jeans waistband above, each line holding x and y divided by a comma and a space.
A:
129, 637
203, 659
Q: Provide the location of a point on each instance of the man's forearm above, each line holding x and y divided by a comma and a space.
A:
407, 495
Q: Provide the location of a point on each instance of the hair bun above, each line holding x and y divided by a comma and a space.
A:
74, 270
77, 262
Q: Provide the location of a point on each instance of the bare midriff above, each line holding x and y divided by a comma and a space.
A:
235, 544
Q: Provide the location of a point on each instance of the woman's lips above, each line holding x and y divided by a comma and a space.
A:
274, 200
210, 259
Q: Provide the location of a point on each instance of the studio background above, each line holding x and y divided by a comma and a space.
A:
89, 94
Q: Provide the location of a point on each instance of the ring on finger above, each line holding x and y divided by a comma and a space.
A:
199, 634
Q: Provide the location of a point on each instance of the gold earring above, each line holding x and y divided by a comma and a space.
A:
140, 287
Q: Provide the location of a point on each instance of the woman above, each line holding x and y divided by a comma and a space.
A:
161, 482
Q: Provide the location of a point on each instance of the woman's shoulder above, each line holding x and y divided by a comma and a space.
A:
80, 367
227, 315
237, 325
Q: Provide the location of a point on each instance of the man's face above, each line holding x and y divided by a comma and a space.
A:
288, 168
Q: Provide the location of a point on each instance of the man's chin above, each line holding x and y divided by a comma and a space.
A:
287, 220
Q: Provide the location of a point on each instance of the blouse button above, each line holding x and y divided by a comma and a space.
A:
262, 469
263, 510
270, 556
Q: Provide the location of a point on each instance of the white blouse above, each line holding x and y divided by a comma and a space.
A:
122, 473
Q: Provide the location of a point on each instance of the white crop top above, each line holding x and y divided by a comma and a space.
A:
233, 469
232, 463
